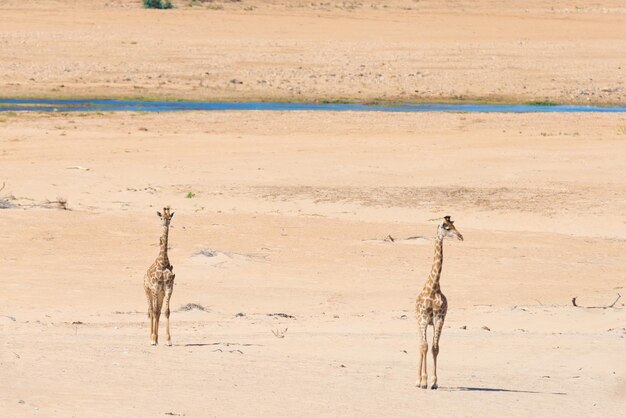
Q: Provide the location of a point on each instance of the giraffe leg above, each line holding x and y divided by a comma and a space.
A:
158, 313
168, 295
149, 297
438, 325
418, 382
154, 334
422, 376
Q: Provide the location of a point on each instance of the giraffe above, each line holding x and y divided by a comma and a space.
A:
432, 305
159, 283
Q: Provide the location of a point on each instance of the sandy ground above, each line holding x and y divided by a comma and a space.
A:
403, 50
282, 218
295, 208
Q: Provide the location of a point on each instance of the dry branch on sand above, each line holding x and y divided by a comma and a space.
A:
281, 315
596, 307
279, 334
191, 307
60, 203
5, 202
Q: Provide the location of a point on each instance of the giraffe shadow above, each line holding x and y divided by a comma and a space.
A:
479, 389
218, 343
197, 345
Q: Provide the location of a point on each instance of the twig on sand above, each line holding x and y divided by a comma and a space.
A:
282, 315
61, 203
191, 307
76, 324
596, 307
279, 334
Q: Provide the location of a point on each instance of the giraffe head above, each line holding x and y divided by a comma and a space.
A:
166, 216
447, 229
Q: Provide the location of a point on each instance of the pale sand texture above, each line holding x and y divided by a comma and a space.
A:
307, 50
296, 204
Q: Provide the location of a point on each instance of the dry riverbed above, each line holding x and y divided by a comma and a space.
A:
304, 306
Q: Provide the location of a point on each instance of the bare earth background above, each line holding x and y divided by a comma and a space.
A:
281, 218
307, 50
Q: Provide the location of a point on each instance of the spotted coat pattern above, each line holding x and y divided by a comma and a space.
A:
431, 305
158, 283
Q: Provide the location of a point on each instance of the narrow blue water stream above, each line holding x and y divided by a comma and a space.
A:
51, 105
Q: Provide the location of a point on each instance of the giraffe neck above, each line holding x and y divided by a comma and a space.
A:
435, 273
162, 258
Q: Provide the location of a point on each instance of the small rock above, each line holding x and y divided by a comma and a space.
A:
463, 327
485, 328
5, 204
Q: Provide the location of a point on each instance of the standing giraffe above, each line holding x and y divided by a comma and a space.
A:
431, 304
159, 283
